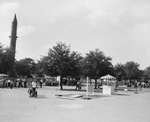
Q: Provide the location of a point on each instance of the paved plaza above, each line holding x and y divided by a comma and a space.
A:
16, 106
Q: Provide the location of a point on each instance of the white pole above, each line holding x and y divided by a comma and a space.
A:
87, 87
58, 79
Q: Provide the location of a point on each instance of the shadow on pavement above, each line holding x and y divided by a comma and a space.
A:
98, 96
80, 90
41, 97
121, 94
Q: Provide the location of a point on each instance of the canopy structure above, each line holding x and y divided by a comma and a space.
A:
108, 79
3, 75
32, 76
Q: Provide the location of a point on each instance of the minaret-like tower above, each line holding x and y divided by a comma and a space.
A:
13, 38
13, 35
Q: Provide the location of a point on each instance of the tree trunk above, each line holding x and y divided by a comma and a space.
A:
61, 83
130, 82
95, 84
90, 81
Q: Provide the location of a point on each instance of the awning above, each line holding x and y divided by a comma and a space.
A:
108, 77
4, 75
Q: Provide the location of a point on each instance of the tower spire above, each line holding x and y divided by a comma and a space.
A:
13, 38
15, 18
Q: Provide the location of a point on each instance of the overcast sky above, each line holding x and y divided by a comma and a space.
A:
119, 28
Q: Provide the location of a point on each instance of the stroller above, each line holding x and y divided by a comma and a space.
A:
32, 92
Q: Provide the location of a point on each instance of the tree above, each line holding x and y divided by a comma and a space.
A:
40, 68
132, 70
6, 57
1, 49
25, 67
120, 71
1, 57
62, 62
96, 64
146, 73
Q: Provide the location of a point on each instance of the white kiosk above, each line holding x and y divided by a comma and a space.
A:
108, 82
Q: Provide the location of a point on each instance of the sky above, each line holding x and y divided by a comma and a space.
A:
119, 28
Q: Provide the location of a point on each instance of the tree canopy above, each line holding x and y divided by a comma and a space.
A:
147, 73
131, 70
61, 61
25, 67
5, 59
96, 64
120, 71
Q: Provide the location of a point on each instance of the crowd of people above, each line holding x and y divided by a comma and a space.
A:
31, 84
141, 84
19, 82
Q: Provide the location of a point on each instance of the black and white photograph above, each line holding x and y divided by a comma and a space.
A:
74, 60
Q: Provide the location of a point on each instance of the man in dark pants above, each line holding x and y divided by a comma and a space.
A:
34, 86
41, 82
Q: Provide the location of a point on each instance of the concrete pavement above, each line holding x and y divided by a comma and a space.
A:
16, 106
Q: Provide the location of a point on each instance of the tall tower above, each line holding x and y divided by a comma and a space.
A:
13, 38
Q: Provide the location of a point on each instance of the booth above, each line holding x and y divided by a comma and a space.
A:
108, 83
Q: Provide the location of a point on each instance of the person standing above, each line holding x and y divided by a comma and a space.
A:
4, 83
11, 83
34, 85
41, 82
8, 83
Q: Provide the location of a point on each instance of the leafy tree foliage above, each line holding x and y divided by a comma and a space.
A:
96, 64
25, 67
1, 49
62, 62
120, 72
1, 58
6, 57
132, 70
40, 68
146, 74
140, 74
